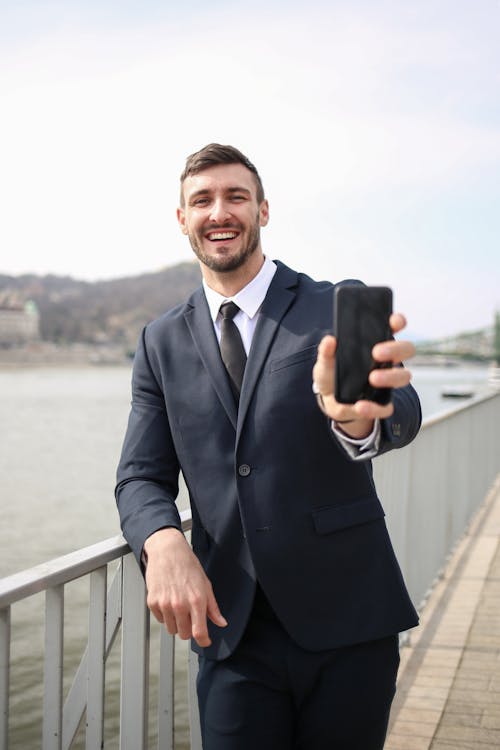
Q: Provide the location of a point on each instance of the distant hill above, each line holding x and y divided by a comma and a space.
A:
482, 344
114, 312
103, 311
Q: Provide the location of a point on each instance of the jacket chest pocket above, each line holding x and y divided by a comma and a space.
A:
304, 356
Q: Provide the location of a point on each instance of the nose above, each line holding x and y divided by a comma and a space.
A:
219, 213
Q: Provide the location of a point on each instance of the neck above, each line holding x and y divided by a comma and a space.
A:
230, 283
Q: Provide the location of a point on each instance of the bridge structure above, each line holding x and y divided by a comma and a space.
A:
133, 685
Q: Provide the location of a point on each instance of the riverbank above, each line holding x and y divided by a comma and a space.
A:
49, 354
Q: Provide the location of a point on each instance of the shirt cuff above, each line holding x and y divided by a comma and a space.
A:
359, 449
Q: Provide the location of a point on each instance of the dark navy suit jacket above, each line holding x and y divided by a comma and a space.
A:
274, 496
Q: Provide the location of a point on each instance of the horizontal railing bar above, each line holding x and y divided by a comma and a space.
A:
61, 570
67, 568
470, 403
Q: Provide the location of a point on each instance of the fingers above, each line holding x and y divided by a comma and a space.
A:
200, 609
185, 617
393, 351
185, 614
213, 611
397, 321
192, 621
393, 377
163, 614
198, 619
198, 629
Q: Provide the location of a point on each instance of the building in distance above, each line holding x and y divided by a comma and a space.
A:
19, 322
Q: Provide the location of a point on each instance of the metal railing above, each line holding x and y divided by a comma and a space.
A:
430, 490
122, 607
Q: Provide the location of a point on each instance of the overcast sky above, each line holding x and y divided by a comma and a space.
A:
375, 127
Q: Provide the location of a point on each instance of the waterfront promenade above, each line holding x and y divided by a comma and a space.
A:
449, 684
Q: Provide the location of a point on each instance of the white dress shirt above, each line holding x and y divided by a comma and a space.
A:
249, 300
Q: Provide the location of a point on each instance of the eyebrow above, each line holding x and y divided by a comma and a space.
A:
206, 191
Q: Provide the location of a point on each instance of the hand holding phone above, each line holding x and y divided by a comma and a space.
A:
361, 320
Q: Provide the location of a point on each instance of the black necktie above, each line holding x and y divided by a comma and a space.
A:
231, 348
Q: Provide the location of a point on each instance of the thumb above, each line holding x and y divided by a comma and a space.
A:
327, 348
323, 368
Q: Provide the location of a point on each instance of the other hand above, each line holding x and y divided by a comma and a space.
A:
179, 593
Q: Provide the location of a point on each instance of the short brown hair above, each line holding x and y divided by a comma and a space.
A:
215, 154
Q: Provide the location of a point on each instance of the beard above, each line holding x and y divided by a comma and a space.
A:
225, 263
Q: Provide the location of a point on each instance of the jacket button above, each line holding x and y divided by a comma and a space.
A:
244, 470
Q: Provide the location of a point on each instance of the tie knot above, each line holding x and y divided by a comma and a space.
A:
228, 310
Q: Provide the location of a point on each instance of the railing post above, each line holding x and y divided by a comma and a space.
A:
96, 660
53, 668
4, 676
194, 714
166, 691
135, 659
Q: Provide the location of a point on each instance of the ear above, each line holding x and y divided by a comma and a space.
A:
263, 213
181, 218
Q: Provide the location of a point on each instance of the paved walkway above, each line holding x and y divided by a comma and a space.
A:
449, 685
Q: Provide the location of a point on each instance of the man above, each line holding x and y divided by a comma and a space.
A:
292, 593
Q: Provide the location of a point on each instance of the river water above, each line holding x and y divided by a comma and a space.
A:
60, 437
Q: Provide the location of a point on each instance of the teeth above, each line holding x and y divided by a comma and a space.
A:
222, 236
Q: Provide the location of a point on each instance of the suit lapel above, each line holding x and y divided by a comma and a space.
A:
279, 297
199, 322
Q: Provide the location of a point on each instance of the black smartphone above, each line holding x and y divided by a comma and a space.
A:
360, 320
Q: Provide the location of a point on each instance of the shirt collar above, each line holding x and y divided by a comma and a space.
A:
250, 298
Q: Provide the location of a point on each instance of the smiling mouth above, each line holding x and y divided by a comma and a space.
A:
218, 236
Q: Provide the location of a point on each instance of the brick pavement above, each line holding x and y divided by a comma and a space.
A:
449, 682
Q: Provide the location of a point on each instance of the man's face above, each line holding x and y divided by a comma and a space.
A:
221, 216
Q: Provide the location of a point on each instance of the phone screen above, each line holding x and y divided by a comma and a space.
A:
361, 320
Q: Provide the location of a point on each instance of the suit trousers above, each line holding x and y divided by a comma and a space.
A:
271, 694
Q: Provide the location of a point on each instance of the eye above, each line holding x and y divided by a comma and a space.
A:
200, 202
